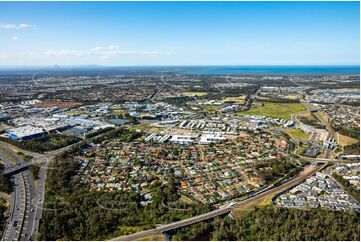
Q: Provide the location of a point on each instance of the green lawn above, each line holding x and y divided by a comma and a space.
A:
75, 112
236, 100
192, 94
118, 112
345, 140
275, 110
298, 134
211, 108
9, 157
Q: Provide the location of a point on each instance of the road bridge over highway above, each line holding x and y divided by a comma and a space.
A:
16, 168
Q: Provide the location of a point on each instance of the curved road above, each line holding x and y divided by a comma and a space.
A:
172, 226
28, 199
16, 228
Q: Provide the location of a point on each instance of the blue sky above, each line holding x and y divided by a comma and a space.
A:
179, 33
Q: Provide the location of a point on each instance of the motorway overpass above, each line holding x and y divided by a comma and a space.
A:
16, 225
15, 168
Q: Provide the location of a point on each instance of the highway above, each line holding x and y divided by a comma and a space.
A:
250, 100
26, 198
40, 197
14, 168
10, 147
35, 195
266, 192
17, 225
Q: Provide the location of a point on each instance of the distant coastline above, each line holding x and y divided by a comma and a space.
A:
276, 70
193, 70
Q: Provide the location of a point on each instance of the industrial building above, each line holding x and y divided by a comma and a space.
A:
182, 139
211, 138
24, 132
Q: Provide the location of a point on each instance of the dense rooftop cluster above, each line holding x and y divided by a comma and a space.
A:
319, 190
343, 115
209, 173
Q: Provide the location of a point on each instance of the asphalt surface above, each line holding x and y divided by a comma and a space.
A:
331, 133
19, 200
221, 211
27, 199
21, 217
39, 199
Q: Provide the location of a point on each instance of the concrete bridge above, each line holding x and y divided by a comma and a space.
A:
167, 229
15, 168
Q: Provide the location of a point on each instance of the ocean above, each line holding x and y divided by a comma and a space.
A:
274, 70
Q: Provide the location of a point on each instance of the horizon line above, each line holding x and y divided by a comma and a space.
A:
199, 65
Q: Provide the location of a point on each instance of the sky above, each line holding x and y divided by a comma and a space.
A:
179, 33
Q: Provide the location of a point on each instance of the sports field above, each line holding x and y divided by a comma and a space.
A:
275, 110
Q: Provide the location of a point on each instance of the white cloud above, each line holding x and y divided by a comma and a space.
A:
15, 38
103, 52
15, 26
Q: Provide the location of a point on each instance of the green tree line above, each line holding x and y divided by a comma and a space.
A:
5, 183
44, 143
80, 214
350, 189
273, 223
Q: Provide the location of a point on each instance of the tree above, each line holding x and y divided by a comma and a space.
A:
34, 171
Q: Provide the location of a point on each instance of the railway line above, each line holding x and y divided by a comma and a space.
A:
331, 133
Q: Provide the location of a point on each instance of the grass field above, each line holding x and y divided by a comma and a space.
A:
297, 134
154, 237
192, 94
139, 127
124, 230
236, 100
275, 110
3, 202
75, 112
323, 116
240, 212
185, 199
146, 127
293, 97
211, 108
118, 112
9, 157
309, 117
345, 140
23, 156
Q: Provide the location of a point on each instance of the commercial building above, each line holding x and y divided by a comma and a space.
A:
210, 138
182, 139
25, 132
